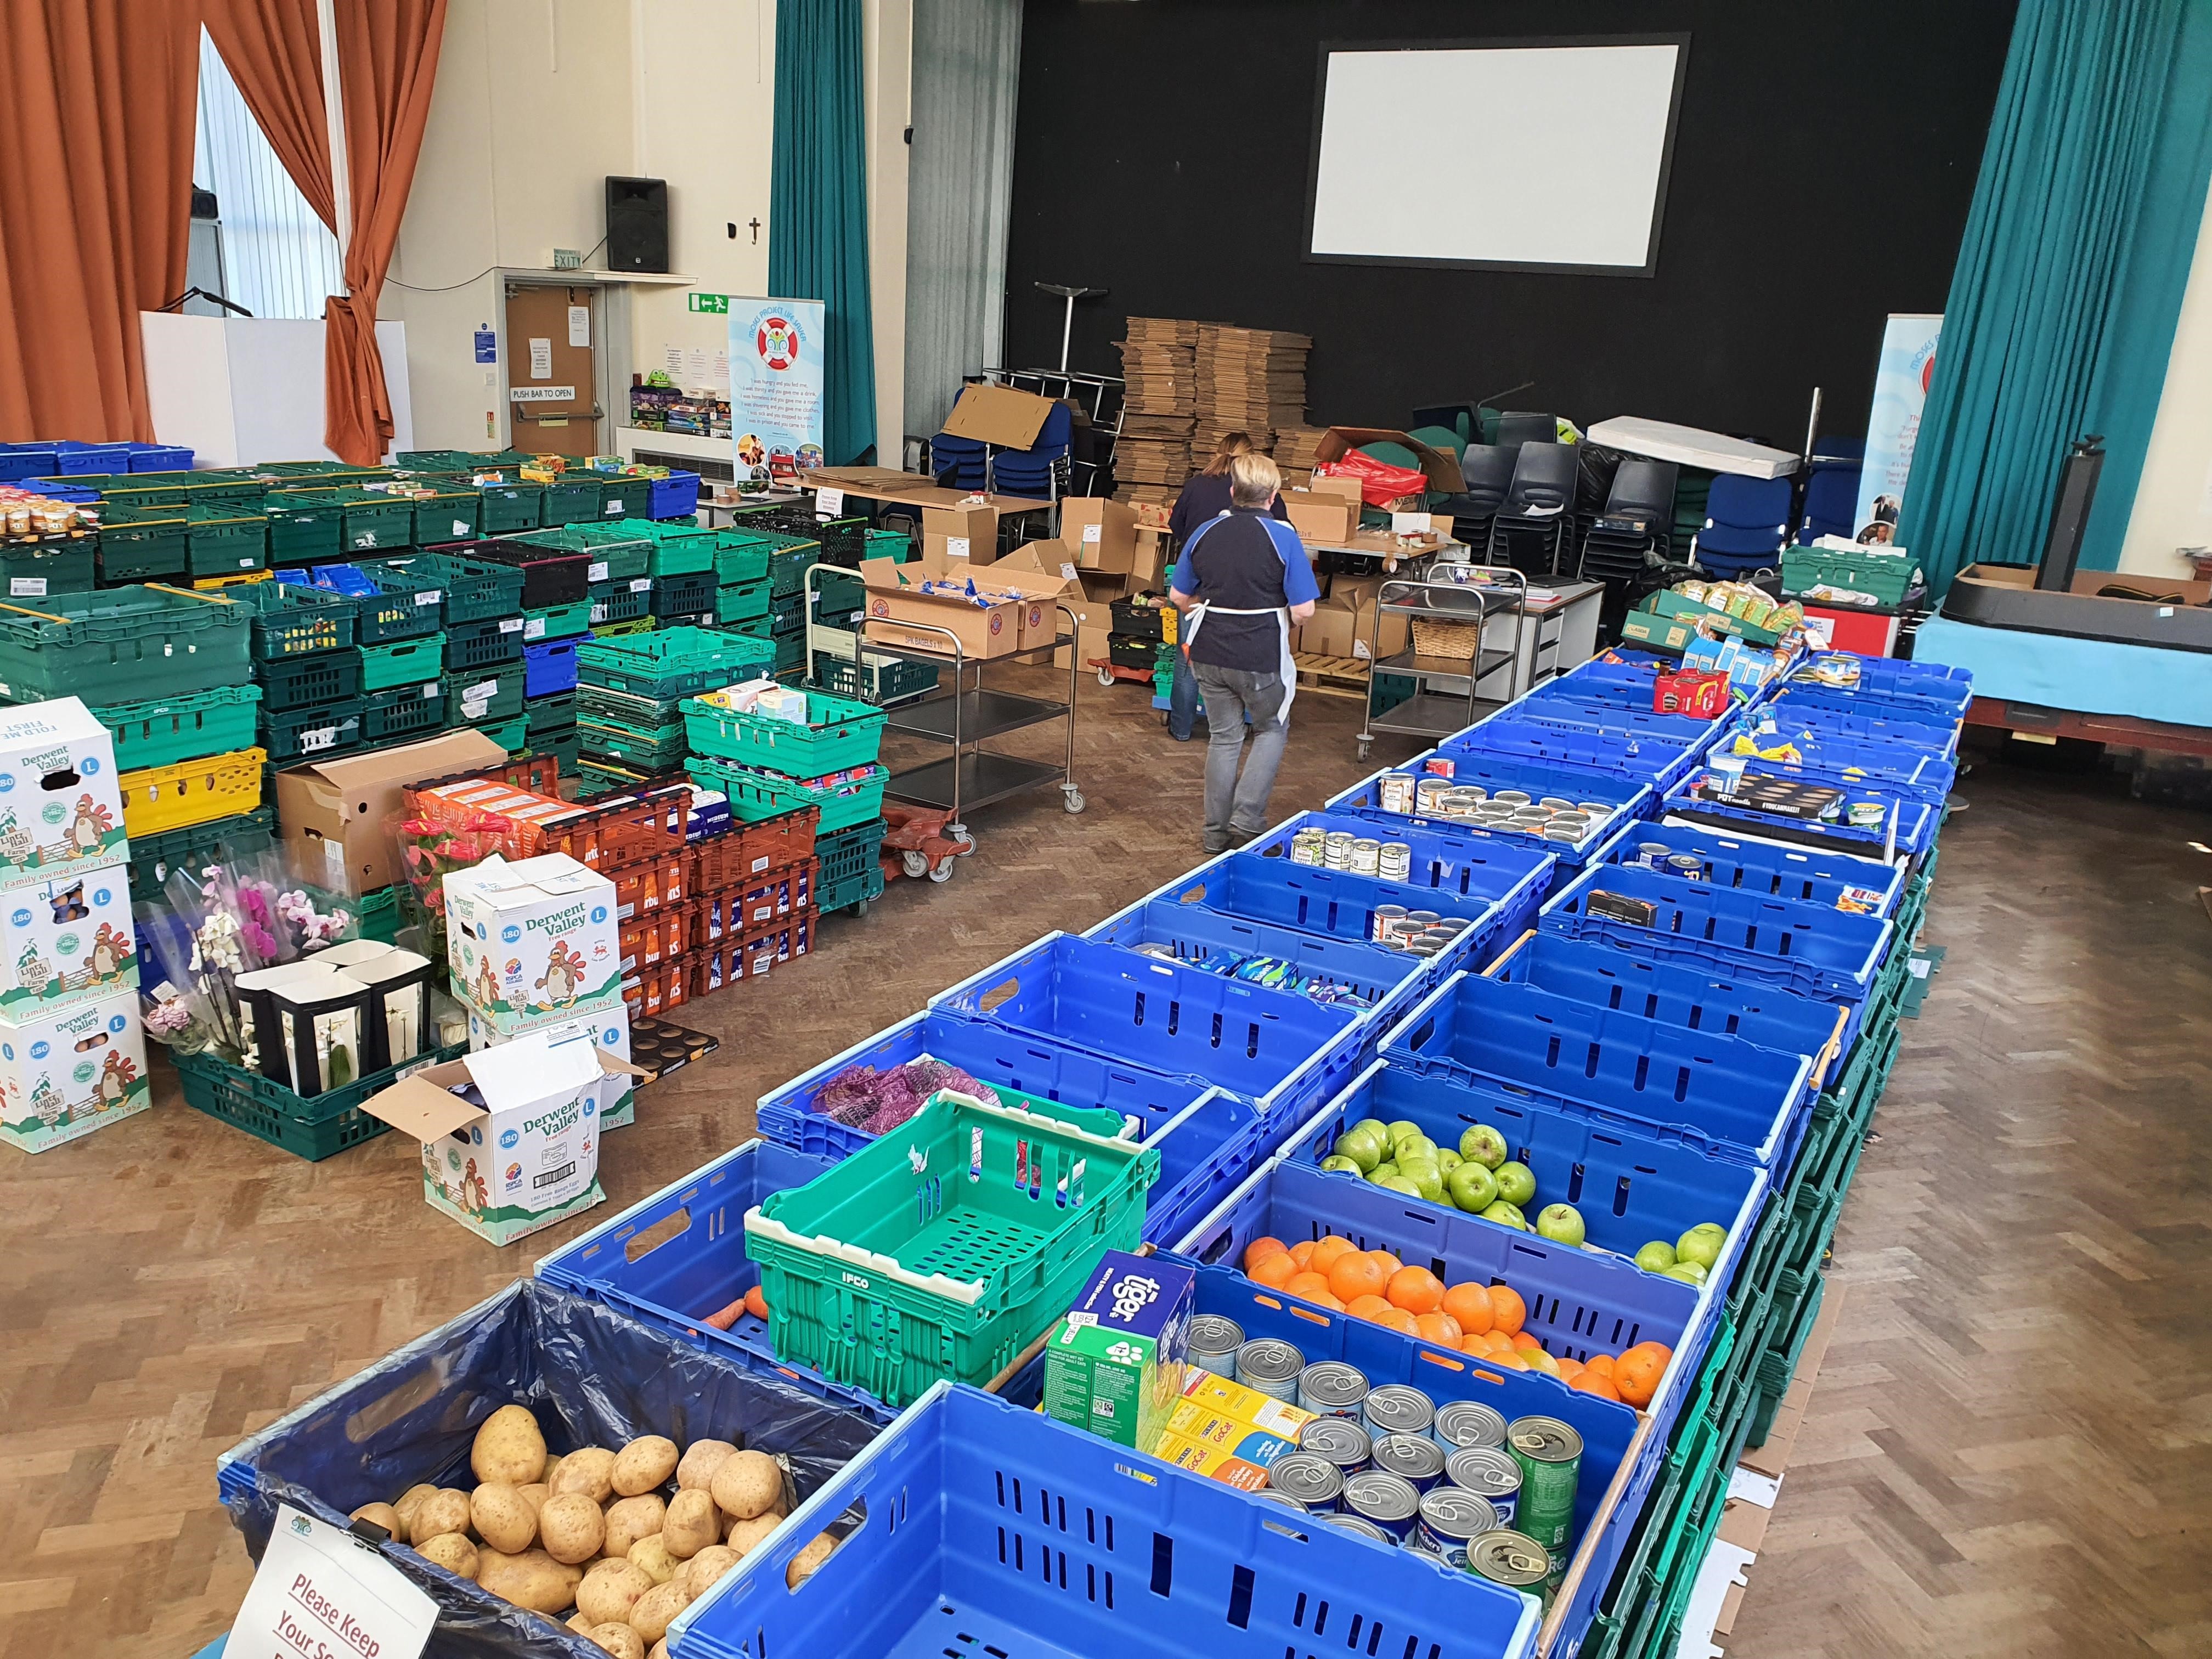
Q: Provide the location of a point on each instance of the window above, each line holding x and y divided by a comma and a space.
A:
279, 259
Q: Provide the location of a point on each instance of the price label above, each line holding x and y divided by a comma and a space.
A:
534, 629
320, 1591
640, 584
430, 597
463, 530
829, 504
614, 509
956, 547
27, 587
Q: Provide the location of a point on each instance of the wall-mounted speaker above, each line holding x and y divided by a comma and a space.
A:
637, 224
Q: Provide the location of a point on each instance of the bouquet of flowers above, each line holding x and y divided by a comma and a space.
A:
430, 848
226, 918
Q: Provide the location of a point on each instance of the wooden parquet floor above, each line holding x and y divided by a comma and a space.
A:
2007, 1454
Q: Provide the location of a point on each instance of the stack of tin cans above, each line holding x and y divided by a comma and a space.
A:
1552, 818
1359, 855
1420, 933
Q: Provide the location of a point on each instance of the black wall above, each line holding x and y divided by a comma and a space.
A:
1824, 161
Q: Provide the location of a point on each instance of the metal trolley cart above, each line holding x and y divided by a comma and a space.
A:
1490, 592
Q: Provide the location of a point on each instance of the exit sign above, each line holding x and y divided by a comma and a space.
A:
715, 302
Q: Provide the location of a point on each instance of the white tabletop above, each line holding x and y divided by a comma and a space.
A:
1690, 445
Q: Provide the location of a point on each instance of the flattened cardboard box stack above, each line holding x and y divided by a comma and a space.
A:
1294, 452
1250, 380
1152, 457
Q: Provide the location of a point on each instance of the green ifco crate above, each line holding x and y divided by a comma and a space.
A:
505, 508
221, 540
483, 695
512, 734
378, 913
672, 662
789, 559
468, 590
329, 728
404, 613
740, 556
447, 514
1884, 578
564, 746
626, 628
557, 713
142, 548
756, 795
166, 730
556, 622
621, 601
624, 495
291, 619
404, 712
123, 645
678, 549
369, 520
404, 662
991, 1243
741, 602
35, 571
313, 1128
574, 498
308, 682
304, 527
486, 644
632, 748
839, 733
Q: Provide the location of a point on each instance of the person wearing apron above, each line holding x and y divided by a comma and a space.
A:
1242, 581
1205, 497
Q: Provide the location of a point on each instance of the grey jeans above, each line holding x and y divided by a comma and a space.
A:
1234, 807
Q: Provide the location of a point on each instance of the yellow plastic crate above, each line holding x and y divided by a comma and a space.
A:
216, 584
191, 792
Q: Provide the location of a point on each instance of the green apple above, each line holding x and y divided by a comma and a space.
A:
1399, 1128
1484, 1145
1448, 1160
1560, 1223
1656, 1256
1383, 1171
1363, 1146
1472, 1187
1427, 1179
1399, 1184
1413, 1145
1516, 1183
1374, 1125
1506, 1215
1690, 1273
1339, 1165
1700, 1246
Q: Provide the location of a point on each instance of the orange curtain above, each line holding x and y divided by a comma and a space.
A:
274, 52
387, 61
95, 205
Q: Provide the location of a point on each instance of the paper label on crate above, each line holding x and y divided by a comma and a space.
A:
1094, 532
1068, 571
320, 1591
614, 509
956, 547
482, 691
1359, 650
510, 624
759, 864
596, 573
323, 737
534, 629
598, 613
430, 688
640, 584
463, 530
430, 597
27, 587
829, 504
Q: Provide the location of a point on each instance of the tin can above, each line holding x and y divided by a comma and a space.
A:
1336, 852
1397, 1409
1653, 854
1490, 1474
1422, 921
1387, 923
1449, 1521
1360, 1529
1340, 1439
1550, 1455
1332, 1388
1440, 766
1307, 1478
1383, 1500
1429, 793
1395, 861
1596, 809
1461, 804
1689, 865
1398, 794
1413, 1458
1868, 814
1281, 1500
1211, 1342
1366, 856
1421, 945
1556, 804
1564, 834
1513, 797
1309, 846
1513, 1559
1467, 1423
1452, 926
1272, 1367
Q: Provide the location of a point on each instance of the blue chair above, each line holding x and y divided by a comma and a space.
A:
1832, 495
1746, 520
1518, 427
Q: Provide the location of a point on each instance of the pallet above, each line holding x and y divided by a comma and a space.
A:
1331, 676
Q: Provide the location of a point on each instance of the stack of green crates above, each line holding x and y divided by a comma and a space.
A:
308, 664
766, 765
628, 691
741, 590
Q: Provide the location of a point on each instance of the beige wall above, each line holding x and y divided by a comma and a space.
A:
2174, 500
539, 100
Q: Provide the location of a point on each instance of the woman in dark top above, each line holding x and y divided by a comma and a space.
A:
1206, 496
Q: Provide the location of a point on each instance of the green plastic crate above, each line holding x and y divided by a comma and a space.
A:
893, 544
1885, 578
851, 870
839, 733
789, 559
505, 508
491, 643
314, 1129
31, 572
512, 734
403, 663
403, 714
221, 540
331, 728
874, 676
622, 601
616, 743
626, 628
627, 709
1782, 1365
565, 746
683, 596
378, 914
152, 857
678, 549
446, 515
457, 461
557, 713
123, 645
369, 520
304, 528
1022, 1250
855, 893
166, 730
329, 475
485, 694
406, 613
307, 682
741, 602
616, 552
144, 549
756, 795
740, 557
573, 499
291, 619
625, 495
672, 662
463, 589
556, 622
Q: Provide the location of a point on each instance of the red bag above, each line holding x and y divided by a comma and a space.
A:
1380, 483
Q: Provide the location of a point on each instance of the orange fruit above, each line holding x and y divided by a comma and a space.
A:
1274, 1271
1325, 1252
1508, 1312
1569, 1368
1636, 1374
1355, 1274
1523, 1339
1382, 1259
1308, 1286
1477, 1345
1398, 1320
1324, 1299
1438, 1327
1416, 1290
1497, 1342
1587, 1380
757, 1304
1366, 1307
1601, 1364
1508, 1360
1261, 1249
1470, 1303
1302, 1253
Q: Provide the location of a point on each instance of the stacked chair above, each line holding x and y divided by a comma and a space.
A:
1746, 520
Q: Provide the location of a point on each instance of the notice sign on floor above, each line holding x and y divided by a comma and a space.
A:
322, 1593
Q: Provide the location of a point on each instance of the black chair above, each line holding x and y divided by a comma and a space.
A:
1626, 545
1536, 523
1488, 471
1516, 426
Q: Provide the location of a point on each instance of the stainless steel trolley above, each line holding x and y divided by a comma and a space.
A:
1491, 591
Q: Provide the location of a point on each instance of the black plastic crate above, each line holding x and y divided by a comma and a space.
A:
487, 644
1126, 653
1139, 622
295, 683
332, 728
550, 575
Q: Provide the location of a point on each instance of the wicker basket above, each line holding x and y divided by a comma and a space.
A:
1452, 641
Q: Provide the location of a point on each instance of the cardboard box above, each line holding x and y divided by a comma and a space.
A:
1101, 534
61, 807
999, 414
65, 941
532, 936
333, 812
1228, 1464
1660, 633
1148, 562
1439, 466
1092, 600
66, 1072
609, 1028
1329, 631
1325, 518
1114, 1365
1345, 490
1024, 615
961, 532
1209, 1400
529, 1155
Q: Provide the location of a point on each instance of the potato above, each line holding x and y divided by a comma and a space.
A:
691, 1525
445, 1509
609, 1591
408, 1502
650, 1616
659, 1650
619, 1639
572, 1527
651, 1554
535, 1495
696, 1473
502, 1518
701, 1572
546, 1474
384, 1515
582, 1623
630, 1519
452, 1551
746, 1536
589, 1470
747, 1484
532, 1580
643, 1464
509, 1448
804, 1563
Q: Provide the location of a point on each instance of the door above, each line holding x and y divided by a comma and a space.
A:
552, 370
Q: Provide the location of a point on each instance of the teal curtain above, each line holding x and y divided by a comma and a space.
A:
2069, 278
818, 211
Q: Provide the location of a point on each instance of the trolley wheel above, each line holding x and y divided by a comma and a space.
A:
1106, 676
1072, 799
959, 832
859, 909
942, 870
1365, 743
915, 864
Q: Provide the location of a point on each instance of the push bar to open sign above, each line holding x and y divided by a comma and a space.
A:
542, 394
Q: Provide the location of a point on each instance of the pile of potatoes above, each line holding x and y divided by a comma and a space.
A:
596, 1530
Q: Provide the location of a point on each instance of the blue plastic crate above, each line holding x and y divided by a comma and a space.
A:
1562, 702
1833, 755
1452, 858
1643, 757
1766, 868
1800, 947
1280, 1051
1629, 799
82, 460
1917, 814
675, 497
549, 669
977, 1528
160, 458
27, 461
1931, 687
1208, 939
1793, 712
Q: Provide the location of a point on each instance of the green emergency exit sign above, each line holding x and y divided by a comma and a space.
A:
716, 302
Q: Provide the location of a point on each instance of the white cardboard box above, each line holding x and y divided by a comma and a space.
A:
61, 807
529, 1155
609, 1028
65, 941
66, 1072
532, 937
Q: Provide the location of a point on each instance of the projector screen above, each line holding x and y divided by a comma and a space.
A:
1547, 155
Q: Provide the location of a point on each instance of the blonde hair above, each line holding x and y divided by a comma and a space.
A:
1253, 479
1232, 444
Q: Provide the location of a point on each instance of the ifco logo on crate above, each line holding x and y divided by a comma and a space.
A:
856, 1281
